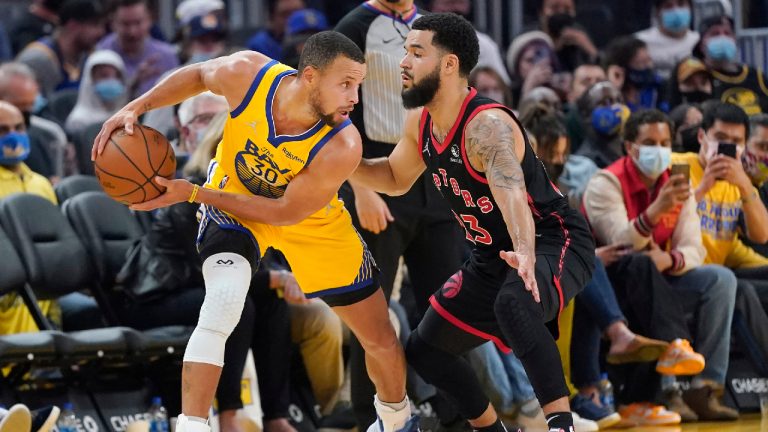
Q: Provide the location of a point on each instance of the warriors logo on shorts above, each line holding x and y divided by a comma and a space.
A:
453, 286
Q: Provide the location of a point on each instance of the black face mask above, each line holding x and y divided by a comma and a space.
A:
557, 22
696, 96
27, 118
642, 78
555, 170
689, 139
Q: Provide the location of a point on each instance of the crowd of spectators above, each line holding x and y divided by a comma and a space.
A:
659, 137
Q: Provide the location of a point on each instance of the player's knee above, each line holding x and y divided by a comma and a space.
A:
382, 341
227, 279
517, 320
423, 357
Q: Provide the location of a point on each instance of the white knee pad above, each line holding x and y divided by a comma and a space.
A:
227, 278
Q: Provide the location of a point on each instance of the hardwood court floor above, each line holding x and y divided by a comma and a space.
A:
747, 423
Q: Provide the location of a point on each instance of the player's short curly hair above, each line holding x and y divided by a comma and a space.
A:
454, 34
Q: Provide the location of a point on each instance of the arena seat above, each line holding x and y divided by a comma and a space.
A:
76, 184
56, 264
108, 230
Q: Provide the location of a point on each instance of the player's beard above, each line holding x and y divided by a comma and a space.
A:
422, 92
314, 100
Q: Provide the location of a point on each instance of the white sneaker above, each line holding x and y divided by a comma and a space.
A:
16, 419
183, 424
584, 425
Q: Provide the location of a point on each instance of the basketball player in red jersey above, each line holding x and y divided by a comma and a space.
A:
532, 253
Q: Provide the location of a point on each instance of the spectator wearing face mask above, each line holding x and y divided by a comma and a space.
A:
690, 83
584, 77
671, 39
602, 115
269, 41
532, 62
192, 119
48, 142
102, 93
732, 81
573, 45
630, 67
204, 37
686, 118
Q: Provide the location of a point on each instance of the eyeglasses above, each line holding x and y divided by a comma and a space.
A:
203, 118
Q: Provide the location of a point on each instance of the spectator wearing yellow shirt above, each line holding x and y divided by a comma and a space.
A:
724, 192
78, 310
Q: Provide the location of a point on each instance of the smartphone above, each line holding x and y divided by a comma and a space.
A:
683, 169
728, 149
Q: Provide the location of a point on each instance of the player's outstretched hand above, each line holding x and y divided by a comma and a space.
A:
125, 118
176, 191
525, 269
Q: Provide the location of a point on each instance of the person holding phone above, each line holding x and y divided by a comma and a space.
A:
726, 195
637, 200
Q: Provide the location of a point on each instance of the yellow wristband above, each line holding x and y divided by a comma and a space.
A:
192, 197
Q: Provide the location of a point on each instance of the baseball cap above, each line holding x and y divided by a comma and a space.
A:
206, 24
689, 67
306, 20
190, 9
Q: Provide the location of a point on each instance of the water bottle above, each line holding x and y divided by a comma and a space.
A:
606, 392
158, 416
67, 419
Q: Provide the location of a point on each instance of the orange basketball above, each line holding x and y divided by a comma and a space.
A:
129, 163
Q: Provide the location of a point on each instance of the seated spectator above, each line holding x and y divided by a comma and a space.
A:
755, 162
102, 91
630, 68
636, 202
269, 41
732, 81
603, 110
572, 43
301, 25
584, 77
56, 59
725, 194
193, 118
203, 38
167, 258
686, 119
490, 84
671, 39
78, 311
146, 59
541, 95
490, 55
597, 311
48, 142
690, 83
531, 62
38, 21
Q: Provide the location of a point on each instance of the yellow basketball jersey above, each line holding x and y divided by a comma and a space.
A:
252, 158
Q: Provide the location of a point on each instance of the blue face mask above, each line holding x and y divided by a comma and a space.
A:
643, 78
14, 148
109, 90
721, 48
653, 160
40, 103
676, 20
607, 121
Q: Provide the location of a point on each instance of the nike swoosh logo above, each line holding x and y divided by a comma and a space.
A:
386, 41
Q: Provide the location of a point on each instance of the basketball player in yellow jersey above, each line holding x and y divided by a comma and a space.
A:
287, 147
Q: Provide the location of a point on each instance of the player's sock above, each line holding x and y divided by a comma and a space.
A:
393, 415
560, 422
497, 426
192, 424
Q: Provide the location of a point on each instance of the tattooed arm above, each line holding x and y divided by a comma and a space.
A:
495, 146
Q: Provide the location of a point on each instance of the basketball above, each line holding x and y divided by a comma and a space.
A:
129, 163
